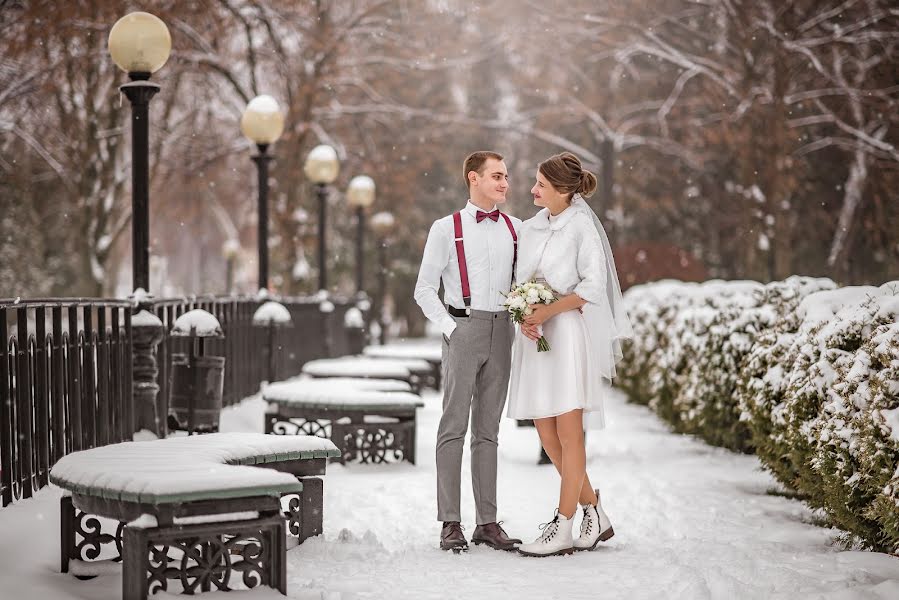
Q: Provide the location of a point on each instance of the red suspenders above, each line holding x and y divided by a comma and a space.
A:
463, 265
514, 244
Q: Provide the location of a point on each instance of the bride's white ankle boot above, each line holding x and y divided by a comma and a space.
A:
555, 539
595, 527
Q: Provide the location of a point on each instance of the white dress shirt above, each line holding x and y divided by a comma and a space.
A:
489, 252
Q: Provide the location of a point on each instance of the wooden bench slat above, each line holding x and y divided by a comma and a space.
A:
351, 406
263, 459
129, 497
263, 490
154, 498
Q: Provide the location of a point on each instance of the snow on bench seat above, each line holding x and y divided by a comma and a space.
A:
181, 469
329, 383
429, 352
348, 394
362, 366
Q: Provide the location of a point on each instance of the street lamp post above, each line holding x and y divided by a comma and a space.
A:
139, 44
361, 195
382, 224
262, 122
321, 168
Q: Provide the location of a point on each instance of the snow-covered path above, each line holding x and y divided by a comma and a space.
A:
691, 521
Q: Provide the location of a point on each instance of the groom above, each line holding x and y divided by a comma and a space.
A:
473, 251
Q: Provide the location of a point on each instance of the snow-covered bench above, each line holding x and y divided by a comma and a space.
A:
200, 509
428, 352
371, 420
412, 370
432, 353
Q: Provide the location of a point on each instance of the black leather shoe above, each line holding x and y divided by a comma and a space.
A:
452, 538
494, 536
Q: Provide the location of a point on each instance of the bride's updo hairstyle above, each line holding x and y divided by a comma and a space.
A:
567, 176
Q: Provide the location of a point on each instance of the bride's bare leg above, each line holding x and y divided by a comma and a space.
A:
570, 428
549, 437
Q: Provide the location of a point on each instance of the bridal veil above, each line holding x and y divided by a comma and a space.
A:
607, 324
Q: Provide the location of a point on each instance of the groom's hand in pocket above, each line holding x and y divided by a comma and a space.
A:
530, 331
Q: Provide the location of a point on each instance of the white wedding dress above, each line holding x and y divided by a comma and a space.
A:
570, 253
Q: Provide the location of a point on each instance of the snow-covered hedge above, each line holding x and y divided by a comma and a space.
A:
799, 371
690, 343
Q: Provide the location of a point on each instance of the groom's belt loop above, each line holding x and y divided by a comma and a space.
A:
460, 254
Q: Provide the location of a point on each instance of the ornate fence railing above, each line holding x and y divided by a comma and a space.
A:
246, 347
65, 385
66, 369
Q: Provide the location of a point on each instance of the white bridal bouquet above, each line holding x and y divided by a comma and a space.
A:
521, 300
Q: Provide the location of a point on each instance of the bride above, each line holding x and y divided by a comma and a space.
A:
565, 246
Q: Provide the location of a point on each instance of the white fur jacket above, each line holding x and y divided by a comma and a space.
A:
567, 250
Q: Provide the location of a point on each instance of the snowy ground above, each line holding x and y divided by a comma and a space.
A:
691, 521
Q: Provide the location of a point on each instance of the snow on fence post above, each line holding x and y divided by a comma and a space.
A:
273, 316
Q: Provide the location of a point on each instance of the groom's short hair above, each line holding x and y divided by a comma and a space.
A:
475, 162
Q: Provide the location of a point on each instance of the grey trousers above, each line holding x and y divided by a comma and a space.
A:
476, 365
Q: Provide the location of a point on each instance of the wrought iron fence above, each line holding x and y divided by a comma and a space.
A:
65, 385
66, 370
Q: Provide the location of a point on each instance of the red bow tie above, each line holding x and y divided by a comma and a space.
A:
481, 215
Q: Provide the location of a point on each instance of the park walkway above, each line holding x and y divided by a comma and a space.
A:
692, 521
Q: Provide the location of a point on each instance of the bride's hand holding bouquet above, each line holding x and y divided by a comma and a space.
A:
529, 304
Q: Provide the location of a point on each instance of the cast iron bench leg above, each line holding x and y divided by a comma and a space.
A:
339, 437
66, 533
279, 557
311, 507
306, 509
135, 552
138, 543
81, 537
